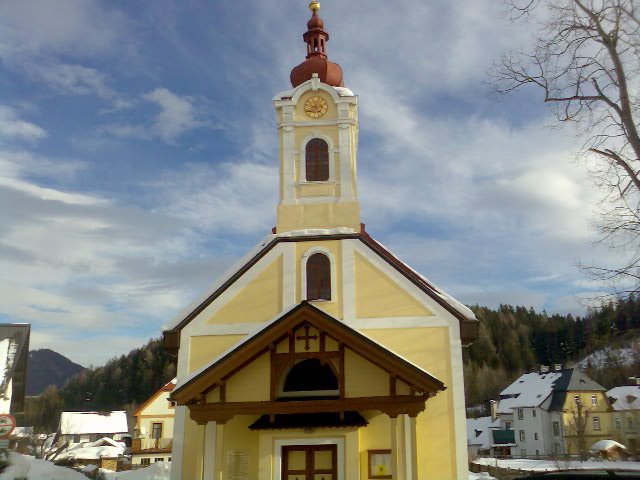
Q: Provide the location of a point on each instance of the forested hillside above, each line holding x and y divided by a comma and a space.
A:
512, 340
122, 384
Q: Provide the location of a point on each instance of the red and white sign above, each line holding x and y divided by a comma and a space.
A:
7, 424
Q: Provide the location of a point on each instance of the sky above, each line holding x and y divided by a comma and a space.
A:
138, 157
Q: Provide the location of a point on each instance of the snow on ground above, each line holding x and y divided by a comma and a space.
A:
157, 471
480, 476
30, 468
91, 453
551, 465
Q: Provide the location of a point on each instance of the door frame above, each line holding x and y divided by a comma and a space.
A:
282, 442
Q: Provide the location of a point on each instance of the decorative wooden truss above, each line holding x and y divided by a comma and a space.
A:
302, 333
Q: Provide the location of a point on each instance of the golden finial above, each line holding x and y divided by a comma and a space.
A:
314, 6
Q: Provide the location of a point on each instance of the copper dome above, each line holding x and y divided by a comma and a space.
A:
316, 62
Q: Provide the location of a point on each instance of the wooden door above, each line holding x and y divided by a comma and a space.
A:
310, 462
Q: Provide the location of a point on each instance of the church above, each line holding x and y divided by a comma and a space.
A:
320, 355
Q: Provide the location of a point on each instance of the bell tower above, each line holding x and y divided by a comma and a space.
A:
318, 137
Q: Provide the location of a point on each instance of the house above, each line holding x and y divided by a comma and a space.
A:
625, 421
154, 428
479, 436
320, 354
83, 427
104, 453
554, 411
488, 436
14, 353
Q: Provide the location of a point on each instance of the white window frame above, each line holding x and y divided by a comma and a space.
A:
302, 164
594, 400
556, 432
303, 272
522, 436
279, 443
596, 423
521, 414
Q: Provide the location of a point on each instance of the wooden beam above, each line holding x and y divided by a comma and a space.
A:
222, 412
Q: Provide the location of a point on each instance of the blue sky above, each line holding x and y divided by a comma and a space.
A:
138, 157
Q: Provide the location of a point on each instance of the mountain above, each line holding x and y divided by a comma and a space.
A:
46, 367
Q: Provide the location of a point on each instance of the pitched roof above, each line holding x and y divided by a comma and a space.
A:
572, 380
259, 341
468, 321
81, 423
478, 431
168, 387
531, 389
626, 397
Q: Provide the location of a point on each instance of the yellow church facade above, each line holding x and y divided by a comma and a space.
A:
320, 355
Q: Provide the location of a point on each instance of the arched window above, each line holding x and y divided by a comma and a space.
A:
310, 375
317, 160
318, 277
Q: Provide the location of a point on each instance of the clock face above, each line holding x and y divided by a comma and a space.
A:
315, 107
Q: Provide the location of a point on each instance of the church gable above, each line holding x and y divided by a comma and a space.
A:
257, 301
306, 354
378, 295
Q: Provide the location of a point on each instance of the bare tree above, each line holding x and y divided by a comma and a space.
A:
584, 60
578, 428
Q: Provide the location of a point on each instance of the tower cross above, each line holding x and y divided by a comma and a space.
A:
306, 337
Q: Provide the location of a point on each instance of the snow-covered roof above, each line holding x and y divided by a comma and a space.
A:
479, 431
341, 91
80, 423
529, 390
625, 398
91, 453
604, 445
466, 311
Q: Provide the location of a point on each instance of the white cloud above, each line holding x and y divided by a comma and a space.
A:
178, 115
72, 79
68, 27
13, 127
483, 202
237, 197
72, 260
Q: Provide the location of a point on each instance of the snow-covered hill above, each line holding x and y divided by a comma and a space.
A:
624, 356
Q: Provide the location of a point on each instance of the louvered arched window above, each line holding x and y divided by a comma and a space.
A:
317, 160
318, 277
